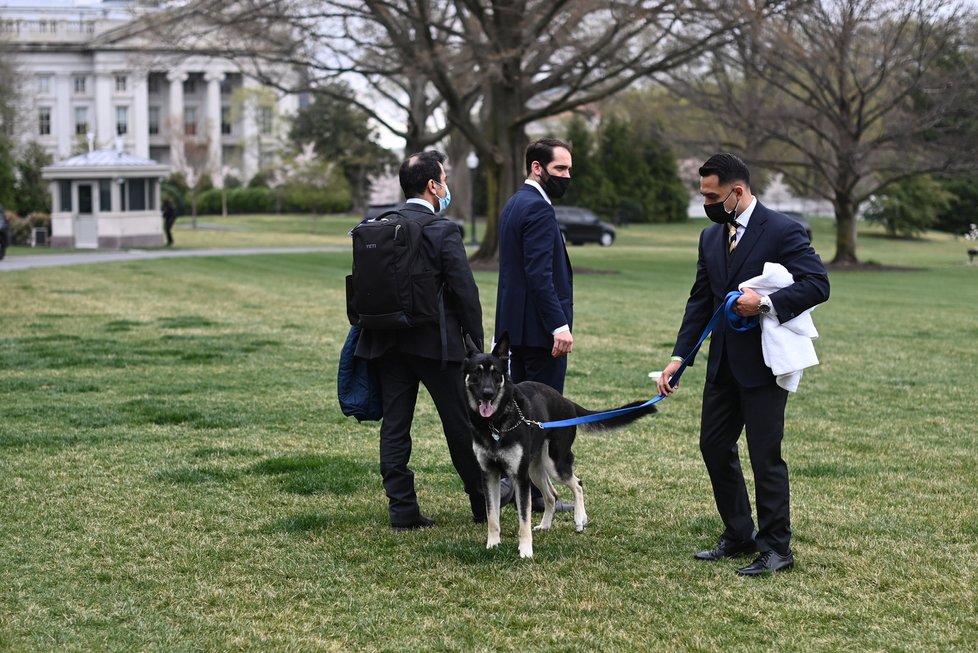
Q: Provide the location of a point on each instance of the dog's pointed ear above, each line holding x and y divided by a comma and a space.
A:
502, 346
471, 347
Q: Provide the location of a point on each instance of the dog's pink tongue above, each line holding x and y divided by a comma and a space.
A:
486, 409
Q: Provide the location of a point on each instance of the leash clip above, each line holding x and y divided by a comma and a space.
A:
498, 433
524, 420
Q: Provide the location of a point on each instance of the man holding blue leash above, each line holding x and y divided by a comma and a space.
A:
741, 392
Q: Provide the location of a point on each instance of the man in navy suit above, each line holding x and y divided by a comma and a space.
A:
741, 393
409, 357
535, 296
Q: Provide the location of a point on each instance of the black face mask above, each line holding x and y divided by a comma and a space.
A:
554, 186
719, 214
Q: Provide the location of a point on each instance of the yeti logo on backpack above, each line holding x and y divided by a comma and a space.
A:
391, 286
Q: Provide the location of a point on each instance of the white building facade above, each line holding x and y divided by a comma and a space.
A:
96, 68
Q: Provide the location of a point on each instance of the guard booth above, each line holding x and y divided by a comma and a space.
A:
106, 199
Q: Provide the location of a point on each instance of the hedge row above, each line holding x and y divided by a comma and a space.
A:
267, 200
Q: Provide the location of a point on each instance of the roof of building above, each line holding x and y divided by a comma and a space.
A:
104, 158
75, 6
98, 164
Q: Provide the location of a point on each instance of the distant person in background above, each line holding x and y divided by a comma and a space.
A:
169, 217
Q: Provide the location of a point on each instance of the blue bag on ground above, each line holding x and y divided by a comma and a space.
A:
357, 384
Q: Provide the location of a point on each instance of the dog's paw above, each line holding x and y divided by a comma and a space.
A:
526, 552
542, 527
492, 543
581, 526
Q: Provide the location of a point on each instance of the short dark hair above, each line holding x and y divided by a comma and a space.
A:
417, 169
542, 151
727, 167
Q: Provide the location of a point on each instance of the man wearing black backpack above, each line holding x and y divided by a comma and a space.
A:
430, 352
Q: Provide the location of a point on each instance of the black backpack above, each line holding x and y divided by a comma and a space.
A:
392, 286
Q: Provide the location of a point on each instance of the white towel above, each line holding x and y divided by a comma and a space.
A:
788, 348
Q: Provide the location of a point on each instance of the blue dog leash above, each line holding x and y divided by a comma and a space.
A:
725, 308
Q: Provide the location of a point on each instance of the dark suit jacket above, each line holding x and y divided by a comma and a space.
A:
769, 237
536, 285
445, 253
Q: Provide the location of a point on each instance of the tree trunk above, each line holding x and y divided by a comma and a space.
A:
460, 179
845, 231
503, 165
846, 205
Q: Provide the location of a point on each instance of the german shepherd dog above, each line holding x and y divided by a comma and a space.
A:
506, 439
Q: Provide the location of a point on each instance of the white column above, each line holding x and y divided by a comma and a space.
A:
139, 127
104, 118
214, 153
251, 157
64, 114
175, 119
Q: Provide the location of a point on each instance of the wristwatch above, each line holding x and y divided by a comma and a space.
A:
765, 306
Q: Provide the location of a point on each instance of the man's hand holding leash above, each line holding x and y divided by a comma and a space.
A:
748, 304
663, 382
743, 304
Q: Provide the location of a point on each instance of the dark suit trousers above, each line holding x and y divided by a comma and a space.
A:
727, 410
400, 376
536, 364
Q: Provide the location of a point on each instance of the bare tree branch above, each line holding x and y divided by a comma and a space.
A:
845, 97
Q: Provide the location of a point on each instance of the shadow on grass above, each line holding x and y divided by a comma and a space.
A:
303, 523
114, 351
121, 326
195, 475
825, 470
57, 423
301, 474
312, 474
167, 411
186, 322
215, 452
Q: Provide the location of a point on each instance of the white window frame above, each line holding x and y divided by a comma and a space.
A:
153, 125
44, 121
78, 130
190, 121
265, 120
121, 120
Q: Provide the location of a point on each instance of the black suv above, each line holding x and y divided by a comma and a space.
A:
800, 218
375, 210
4, 233
579, 225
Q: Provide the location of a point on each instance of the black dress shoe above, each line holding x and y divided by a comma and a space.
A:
727, 548
415, 524
768, 563
538, 506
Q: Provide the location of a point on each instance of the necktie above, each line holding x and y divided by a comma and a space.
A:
732, 240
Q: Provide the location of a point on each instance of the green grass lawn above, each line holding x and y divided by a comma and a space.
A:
175, 473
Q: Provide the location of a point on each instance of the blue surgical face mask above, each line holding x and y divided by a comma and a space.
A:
443, 202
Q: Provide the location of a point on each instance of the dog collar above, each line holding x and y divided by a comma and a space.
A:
497, 434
